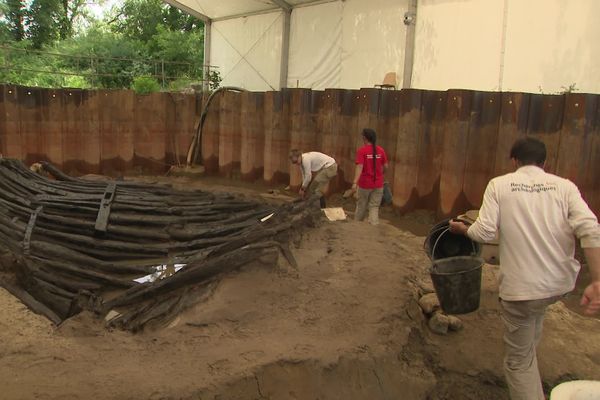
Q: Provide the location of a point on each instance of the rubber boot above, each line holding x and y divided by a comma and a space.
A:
323, 202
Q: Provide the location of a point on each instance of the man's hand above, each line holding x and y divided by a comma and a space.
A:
302, 192
591, 299
458, 227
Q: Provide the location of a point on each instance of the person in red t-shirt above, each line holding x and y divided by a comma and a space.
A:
371, 163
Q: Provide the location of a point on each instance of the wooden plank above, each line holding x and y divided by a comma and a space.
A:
347, 131
3, 127
303, 128
29, 123
406, 158
277, 140
150, 132
29, 229
483, 137
387, 136
456, 139
229, 133
52, 124
368, 113
13, 140
252, 136
513, 126
75, 112
591, 187
545, 121
105, 206
180, 126
332, 136
576, 137
89, 134
431, 145
210, 135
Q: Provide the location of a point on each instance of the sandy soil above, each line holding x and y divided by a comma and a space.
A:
345, 325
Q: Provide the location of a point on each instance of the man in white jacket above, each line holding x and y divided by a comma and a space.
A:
538, 216
321, 165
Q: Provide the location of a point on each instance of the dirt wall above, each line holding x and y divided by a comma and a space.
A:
443, 146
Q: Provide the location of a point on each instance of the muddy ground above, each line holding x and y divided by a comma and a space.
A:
345, 325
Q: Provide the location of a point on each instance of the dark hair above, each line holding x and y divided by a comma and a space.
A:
371, 137
529, 151
295, 153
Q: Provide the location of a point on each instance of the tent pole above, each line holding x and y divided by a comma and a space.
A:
285, 49
410, 20
206, 68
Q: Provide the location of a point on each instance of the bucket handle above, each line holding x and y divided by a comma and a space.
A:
438, 239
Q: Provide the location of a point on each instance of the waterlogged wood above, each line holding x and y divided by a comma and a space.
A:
50, 226
456, 139
406, 165
545, 120
431, 148
483, 136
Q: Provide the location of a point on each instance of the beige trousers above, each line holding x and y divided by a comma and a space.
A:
321, 179
523, 321
368, 199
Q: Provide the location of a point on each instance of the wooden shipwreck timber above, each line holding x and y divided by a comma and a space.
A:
144, 251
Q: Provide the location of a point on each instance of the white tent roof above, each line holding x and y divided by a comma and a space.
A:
224, 9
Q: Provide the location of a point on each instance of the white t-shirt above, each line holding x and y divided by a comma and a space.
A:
312, 162
538, 216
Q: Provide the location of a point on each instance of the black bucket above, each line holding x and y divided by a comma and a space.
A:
441, 243
457, 283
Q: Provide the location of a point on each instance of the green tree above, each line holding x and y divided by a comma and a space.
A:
179, 47
14, 12
107, 53
51, 20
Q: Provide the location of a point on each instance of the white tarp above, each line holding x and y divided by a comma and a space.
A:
316, 47
248, 51
512, 45
349, 44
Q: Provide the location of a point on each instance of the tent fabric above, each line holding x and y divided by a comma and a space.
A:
216, 9
248, 51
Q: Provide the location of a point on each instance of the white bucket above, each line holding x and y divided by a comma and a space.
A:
576, 390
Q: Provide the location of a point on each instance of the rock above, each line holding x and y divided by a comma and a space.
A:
472, 373
425, 286
414, 312
439, 323
429, 303
454, 323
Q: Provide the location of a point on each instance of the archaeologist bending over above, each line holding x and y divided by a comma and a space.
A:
371, 163
323, 167
538, 216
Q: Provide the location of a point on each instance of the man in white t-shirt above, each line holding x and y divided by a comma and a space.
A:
538, 216
323, 166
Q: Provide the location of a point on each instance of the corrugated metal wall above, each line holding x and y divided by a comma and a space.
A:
443, 145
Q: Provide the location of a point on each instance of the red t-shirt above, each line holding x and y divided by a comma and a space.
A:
371, 178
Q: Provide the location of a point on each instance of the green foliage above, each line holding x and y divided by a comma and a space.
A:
214, 79
141, 38
42, 21
179, 47
145, 85
180, 84
114, 59
14, 11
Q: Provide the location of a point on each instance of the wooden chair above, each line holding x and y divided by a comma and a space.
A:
389, 81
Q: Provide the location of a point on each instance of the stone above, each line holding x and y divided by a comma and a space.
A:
429, 303
414, 312
454, 323
439, 323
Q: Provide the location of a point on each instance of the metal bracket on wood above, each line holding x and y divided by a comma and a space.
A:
104, 211
29, 229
